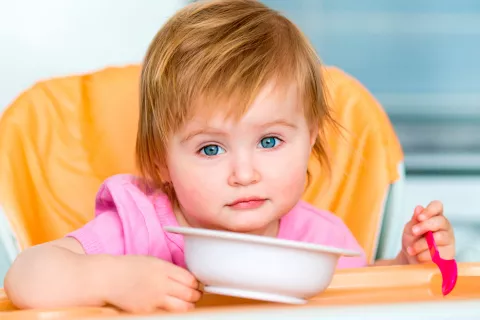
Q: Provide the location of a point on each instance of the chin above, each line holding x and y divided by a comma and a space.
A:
245, 229
242, 226
252, 227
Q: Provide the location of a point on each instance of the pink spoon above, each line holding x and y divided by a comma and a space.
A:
448, 268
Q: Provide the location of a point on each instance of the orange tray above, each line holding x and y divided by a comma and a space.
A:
366, 287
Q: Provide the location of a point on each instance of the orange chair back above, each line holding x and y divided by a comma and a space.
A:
61, 138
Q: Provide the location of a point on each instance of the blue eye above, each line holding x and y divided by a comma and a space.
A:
211, 150
269, 142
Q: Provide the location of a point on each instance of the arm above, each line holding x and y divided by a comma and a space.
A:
57, 274
113, 259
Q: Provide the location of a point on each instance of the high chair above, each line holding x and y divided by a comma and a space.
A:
61, 138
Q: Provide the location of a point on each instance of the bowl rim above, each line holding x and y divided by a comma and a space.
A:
292, 244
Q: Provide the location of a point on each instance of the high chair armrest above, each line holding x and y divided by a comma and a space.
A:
9, 248
389, 241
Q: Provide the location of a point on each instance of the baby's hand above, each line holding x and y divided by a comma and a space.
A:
142, 284
431, 218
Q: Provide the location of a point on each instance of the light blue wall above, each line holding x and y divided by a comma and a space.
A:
406, 52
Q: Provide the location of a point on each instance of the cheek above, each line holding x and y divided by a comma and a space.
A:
293, 179
197, 187
287, 172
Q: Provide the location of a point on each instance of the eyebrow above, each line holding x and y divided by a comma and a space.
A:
201, 131
280, 122
213, 131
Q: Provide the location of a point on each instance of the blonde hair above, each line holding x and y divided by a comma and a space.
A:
221, 50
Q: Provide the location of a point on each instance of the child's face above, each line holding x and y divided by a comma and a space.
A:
217, 165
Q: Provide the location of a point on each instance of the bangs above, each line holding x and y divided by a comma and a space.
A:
226, 73
234, 101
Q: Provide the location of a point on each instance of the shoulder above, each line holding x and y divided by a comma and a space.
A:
307, 223
305, 214
127, 189
124, 181
129, 219
310, 224
134, 202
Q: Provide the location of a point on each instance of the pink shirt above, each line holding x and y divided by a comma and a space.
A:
129, 221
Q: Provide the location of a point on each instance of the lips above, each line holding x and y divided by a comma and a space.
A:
247, 203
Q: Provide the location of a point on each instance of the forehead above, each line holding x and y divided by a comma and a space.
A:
272, 102
275, 100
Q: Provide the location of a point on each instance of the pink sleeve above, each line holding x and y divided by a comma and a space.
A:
126, 222
102, 235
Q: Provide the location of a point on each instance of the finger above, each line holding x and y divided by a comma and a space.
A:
442, 238
433, 224
417, 211
434, 208
174, 304
447, 252
413, 221
180, 291
424, 256
182, 276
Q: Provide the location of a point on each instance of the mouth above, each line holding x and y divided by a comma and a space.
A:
247, 203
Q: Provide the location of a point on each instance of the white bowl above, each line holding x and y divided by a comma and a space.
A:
258, 267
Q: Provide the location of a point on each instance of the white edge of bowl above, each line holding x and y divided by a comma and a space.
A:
261, 240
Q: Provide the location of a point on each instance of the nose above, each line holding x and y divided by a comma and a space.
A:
243, 172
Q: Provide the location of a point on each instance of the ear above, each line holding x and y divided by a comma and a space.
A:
313, 135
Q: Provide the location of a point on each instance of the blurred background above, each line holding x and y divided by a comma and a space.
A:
419, 58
